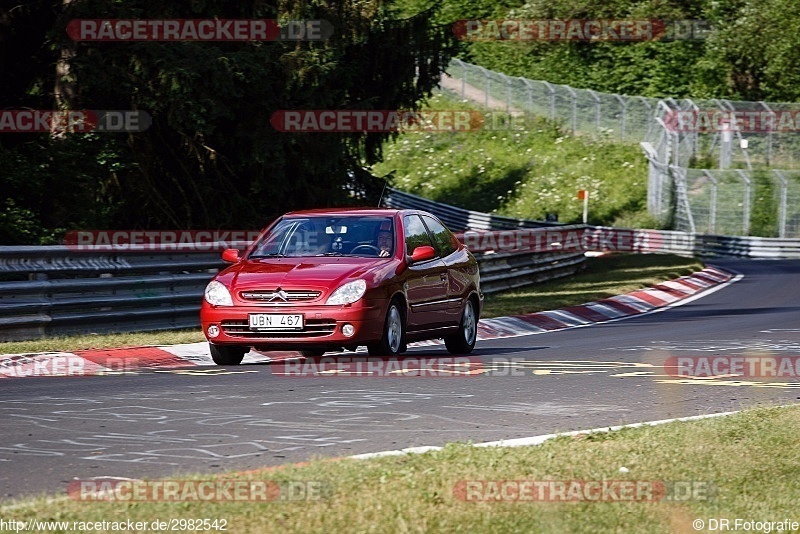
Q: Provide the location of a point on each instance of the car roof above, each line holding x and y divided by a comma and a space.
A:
349, 211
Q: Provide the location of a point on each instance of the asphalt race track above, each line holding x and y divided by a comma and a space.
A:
158, 423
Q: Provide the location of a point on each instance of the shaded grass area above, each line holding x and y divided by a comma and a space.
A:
752, 474
604, 276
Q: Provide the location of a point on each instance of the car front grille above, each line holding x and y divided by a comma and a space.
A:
273, 296
313, 328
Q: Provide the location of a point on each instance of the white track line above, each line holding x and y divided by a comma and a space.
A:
538, 440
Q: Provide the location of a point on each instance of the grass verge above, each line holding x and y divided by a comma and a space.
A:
604, 276
752, 474
527, 171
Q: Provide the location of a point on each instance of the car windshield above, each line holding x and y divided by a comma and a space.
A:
351, 235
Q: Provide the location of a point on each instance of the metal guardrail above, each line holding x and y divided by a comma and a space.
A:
511, 270
47, 291
457, 218
54, 290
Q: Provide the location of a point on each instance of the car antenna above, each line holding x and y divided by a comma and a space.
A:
382, 192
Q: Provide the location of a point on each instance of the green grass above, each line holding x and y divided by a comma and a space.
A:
102, 341
604, 276
747, 466
526, 172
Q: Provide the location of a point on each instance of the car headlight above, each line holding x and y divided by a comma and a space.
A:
348, 293
217, 294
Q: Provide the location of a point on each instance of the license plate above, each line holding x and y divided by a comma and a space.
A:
275, 321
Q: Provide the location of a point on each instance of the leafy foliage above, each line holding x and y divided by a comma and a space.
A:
211, 157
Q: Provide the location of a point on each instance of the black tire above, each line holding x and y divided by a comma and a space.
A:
227, 354
463, 341
393, 340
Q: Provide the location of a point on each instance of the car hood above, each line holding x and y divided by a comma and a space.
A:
271, 273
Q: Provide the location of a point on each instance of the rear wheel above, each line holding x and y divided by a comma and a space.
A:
393, 341
463, 341
227, 354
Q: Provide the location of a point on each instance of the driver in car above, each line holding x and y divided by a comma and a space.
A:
385, 243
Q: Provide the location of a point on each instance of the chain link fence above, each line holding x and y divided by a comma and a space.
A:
716, 166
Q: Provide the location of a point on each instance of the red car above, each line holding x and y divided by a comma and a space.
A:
323, 280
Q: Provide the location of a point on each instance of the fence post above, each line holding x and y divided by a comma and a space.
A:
769, 133
552, 100
746, 202
693, 139
529, 90
650, 121
508, 94
485, 87
596, 109
782, 206
574, 107
712, 208
463, 80
624, 104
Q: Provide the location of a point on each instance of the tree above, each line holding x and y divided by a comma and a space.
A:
211, 157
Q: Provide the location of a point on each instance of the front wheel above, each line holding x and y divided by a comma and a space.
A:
463, 341
393, 341
227, 354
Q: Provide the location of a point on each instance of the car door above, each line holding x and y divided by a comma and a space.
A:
457, 284
426, 284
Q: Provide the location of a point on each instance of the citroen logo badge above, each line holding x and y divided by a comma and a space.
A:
279, 294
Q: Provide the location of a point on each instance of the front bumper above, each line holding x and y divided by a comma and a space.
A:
322, 325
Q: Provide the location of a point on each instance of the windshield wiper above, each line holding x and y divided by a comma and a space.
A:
270, 255
330, 254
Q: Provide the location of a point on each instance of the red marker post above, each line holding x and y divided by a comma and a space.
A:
583, 194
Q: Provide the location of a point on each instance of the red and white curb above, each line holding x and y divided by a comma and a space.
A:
130, 359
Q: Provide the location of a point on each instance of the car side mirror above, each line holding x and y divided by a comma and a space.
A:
231, 255
425, 252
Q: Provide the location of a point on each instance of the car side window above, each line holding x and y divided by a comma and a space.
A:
416, 234
446, 242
